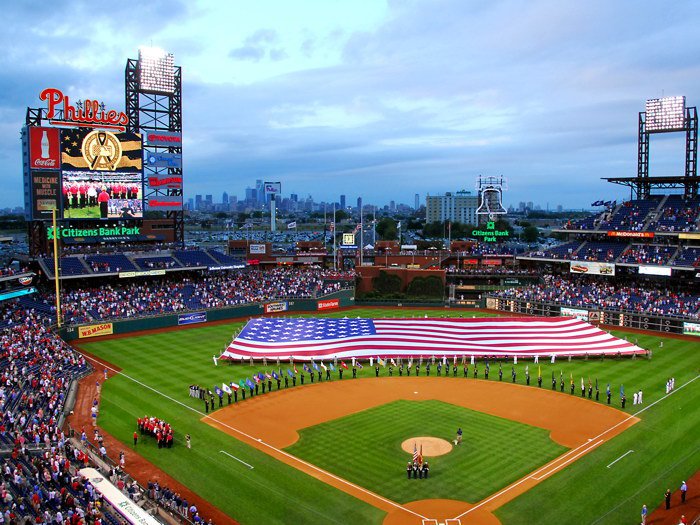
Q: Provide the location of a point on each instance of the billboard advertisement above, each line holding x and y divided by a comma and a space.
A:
171, 139
157, 181
164, 160
44, 148
273, 188
655, 270
691, 328
280, 306
45, 190
592, 268
95, 330
192, 318
328, 305
165, 202
574, 312
257, 248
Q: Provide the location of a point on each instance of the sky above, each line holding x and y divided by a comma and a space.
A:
372, 98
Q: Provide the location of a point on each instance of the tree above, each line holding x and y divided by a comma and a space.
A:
530, 234
386, 229
340, 215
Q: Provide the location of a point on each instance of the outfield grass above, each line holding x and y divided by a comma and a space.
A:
664, 442
365, 448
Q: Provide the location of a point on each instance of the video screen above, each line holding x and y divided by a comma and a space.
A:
100, 195
101, 176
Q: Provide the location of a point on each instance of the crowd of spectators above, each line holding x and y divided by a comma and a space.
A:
588, 292
491, 270
645, 254
136, 299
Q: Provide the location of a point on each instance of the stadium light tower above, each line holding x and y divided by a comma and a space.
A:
154, 106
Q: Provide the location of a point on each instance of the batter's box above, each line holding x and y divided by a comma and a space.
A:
427, 521
448, 521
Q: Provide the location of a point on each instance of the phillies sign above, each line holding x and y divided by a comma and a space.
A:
87, 113
44, 149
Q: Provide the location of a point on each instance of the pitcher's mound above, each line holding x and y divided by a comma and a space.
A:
432, 446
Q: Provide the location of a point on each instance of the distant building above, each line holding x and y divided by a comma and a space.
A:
224, 198
342, 202
197, 202
416, 204
455, 207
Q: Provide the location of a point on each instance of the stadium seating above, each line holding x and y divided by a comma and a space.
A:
110, 263
164, 262
687, 256
677, 215
599, 251
194, 258
562, 251
646, 254
631, 215
588, 292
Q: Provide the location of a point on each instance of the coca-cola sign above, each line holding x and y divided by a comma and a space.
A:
44, 148
84, 113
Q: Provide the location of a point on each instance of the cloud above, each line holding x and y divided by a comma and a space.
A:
258, 46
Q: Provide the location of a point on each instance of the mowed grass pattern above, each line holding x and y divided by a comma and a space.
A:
274, 493
365, 448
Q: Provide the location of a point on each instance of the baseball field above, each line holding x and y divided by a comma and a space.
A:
331, 451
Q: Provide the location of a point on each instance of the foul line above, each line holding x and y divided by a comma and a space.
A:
278, 451
572, 458
237, 459
618, 459
523, 480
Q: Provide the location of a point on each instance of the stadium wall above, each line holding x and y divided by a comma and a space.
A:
101, 328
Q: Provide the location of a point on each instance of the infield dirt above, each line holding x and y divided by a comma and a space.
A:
271, 423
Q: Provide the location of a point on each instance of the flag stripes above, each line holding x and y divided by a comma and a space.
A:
318, 338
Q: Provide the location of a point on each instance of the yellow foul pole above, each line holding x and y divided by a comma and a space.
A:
55, 267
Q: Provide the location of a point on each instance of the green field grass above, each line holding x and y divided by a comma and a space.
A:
165, 364
365, 448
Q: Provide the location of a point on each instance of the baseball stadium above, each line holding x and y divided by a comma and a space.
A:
150, 378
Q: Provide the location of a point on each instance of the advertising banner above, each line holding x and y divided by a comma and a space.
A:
592, 268
164, 138
165, 202
574, 312
328, 305
280, 306
655, 270
128, 509
273, 188
144, 273
164, 181
637, 235
95, 330
44, 148
164, 160
45, 191
691, 328
192, 318
257, 248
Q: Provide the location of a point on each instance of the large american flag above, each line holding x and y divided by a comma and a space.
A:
318, 338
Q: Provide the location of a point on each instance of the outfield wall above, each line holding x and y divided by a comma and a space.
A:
340, 299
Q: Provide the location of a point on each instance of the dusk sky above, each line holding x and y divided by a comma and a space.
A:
382, 99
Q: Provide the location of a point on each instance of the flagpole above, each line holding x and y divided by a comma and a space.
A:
362, 231
334, 257
374, 227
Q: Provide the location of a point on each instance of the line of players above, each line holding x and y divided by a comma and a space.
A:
82, 194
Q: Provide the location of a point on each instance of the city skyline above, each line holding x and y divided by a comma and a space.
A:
392, 98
